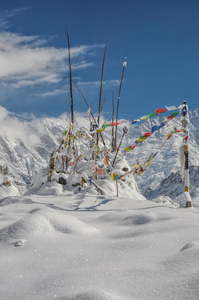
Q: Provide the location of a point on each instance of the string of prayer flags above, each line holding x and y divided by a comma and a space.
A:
152, 114
171, 133
143, 118
107, 125
140, 169
127, 149
153, 129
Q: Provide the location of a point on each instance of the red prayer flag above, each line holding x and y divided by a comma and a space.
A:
72, 164
169, 136
160, 110
115, 123
147, 134
132, 147
170, 117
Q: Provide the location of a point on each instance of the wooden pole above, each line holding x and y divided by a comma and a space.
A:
117, 188
118, 100
90, 111
125, 130
113, 142
71, 83
185, 122
100, 95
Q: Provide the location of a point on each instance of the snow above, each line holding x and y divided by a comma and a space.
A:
26, 152
97, 247
68, 242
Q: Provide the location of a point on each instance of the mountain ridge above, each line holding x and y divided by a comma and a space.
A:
25, 147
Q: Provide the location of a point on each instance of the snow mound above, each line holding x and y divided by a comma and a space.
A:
6, 191
12, 200
141, 218
138, 219
50, 188
92, 296
194, 245
44, 221
183, 198
164, 200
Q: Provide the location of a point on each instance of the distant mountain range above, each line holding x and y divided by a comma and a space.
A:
26, 144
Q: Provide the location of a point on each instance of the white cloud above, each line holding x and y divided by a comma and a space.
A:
28, 61
11, 13
97, 83
13, 128
5, 15
53, 93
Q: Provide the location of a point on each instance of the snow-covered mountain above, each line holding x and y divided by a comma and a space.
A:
26, 144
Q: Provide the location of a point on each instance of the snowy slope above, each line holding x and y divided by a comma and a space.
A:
172, 185
25, 147
167, 160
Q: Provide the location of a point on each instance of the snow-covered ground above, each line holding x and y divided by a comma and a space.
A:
98, 247
59, 242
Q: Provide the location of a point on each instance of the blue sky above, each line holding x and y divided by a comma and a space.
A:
159, 37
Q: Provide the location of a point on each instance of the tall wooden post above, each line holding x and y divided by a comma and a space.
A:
113, 140
100, 95
185, 122
118, 101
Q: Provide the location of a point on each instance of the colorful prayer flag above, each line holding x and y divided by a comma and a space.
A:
160, 110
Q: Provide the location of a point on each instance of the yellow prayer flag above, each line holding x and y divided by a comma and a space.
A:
139, 140
144, 118
112, 176
99, 130
136, 166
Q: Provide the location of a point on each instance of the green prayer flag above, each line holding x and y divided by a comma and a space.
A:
151, 115
175, 113
105, 125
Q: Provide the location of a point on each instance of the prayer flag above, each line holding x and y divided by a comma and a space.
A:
147, 134
115, 123
99, 130
170, 108
151, 115
134, 121
105, 125
154, 128
160, 110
